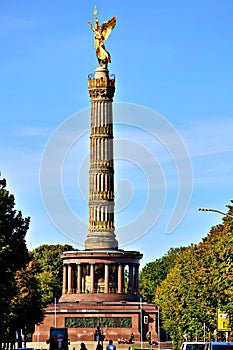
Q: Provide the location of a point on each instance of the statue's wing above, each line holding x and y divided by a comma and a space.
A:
107, 27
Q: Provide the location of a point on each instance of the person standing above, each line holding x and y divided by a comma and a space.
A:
111, 346
131, 339
99, 346
83, 346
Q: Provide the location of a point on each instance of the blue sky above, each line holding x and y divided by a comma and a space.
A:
171, 57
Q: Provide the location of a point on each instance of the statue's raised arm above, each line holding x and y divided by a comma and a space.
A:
101, 34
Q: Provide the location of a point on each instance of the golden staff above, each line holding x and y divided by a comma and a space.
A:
95, 13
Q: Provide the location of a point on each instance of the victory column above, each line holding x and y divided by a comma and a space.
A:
100, 283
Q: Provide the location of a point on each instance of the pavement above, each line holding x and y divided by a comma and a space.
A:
76, 345
91, 345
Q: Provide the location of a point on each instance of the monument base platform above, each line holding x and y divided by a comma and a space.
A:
116, 319
100, 290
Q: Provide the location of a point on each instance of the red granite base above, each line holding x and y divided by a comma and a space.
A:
101, 297
94, 311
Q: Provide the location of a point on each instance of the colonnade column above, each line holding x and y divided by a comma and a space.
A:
70, 271
120, 278
106, 278
136, 278
92, 276
64, 283
131, 279
79, 278
69, 278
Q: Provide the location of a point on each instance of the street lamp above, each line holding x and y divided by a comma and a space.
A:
216, 211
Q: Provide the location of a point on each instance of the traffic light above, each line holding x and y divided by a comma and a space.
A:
149, 337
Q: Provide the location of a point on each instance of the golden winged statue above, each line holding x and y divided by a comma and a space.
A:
101, 34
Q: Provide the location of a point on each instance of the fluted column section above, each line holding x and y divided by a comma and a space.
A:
101, 229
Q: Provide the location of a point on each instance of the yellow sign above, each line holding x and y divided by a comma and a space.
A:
223, 321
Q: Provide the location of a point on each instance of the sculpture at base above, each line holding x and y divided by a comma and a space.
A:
101, 34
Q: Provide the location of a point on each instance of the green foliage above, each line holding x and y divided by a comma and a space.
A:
155, 272
200, 280
13, 253
13, 250
26, 299
50, 270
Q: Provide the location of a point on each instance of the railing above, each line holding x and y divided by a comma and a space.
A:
100, 82
101, 290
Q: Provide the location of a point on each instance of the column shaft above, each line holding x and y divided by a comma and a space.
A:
131, 280
136, 280
101, 230
64, 284
79, 278
120, 279
69, 278
106, 278
92, 275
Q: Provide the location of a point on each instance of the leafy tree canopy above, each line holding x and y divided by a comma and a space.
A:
155, 272
199, 282
26, 299
50, 269
13, 229
18, 292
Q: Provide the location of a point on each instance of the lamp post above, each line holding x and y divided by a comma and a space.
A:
141, 321
158, 329
55, 312
216, 211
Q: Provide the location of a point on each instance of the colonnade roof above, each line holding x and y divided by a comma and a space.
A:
104, 251
102, 256
122, 254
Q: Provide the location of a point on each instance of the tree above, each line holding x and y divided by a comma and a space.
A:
27, 298
200, 281
155, 272
50, 270
13, 252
